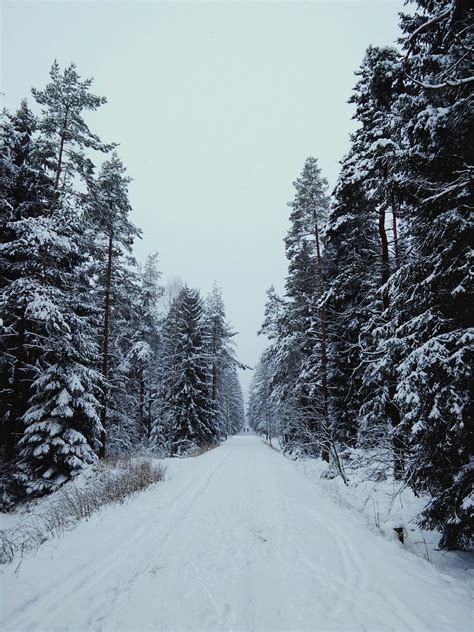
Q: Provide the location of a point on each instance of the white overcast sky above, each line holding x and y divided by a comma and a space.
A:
216, 106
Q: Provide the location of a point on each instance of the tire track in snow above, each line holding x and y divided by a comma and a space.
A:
236, 539
111, 562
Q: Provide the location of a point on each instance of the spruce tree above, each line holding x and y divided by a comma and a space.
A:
351, 247
305, 286
26, 190
431, 292
221, 354
375, 159
141, 358
261, 410
52, 389
189, 410
231, 402
61, 424
108, 210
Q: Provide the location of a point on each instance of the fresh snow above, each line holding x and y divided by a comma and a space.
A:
236, 539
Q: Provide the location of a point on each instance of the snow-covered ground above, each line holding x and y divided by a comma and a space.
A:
386, 504
236, 539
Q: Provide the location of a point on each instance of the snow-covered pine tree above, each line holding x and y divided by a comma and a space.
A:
431, 293
221, 354
284, 326
62, 424
262, 413
26, 191
54, 315
305, 286
190, 418
64, 101
351, 252
107, 210
236, 401
375, 156
231, 403
140, 364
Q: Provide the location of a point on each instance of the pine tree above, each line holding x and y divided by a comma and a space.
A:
53, 313
140, 362
64, 101
189, 409
47, 319
351, 247
25, 193
221, 354
375, 162
62, 424
231, 403
261, 410
305, 285
108, 210
431, 292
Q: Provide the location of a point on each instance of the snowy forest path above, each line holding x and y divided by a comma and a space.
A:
236, 539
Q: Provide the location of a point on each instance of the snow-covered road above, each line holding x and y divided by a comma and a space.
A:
236, 539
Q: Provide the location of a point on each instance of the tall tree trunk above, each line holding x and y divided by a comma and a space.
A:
214, 382
391, 408
215, 377
323, 348
324, 386
385, 257
148, 417
267, 417
105, 346
396, 251
12, 425
214, 363
59, 164
141, 403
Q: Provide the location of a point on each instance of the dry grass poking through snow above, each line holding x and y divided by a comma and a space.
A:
117, 480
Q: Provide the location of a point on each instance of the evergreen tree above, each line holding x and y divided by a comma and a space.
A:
231, 402
221, 355
261, 410
374, 163
141, 359
305, 286
62, 424
351, 247
25, 193
108, 210
53, 389
189, 410
64, 101
431, 291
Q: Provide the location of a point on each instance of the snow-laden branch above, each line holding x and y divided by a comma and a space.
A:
445, 84
427, 25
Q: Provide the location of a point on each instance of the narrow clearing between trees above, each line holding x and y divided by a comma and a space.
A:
236, 539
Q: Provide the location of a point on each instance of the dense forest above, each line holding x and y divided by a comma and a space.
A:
370, 347
369, 354
96, 357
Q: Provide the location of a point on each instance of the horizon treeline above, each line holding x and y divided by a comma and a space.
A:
370, 348
96, 356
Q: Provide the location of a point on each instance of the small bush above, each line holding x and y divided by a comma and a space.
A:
113, 485
203, 449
